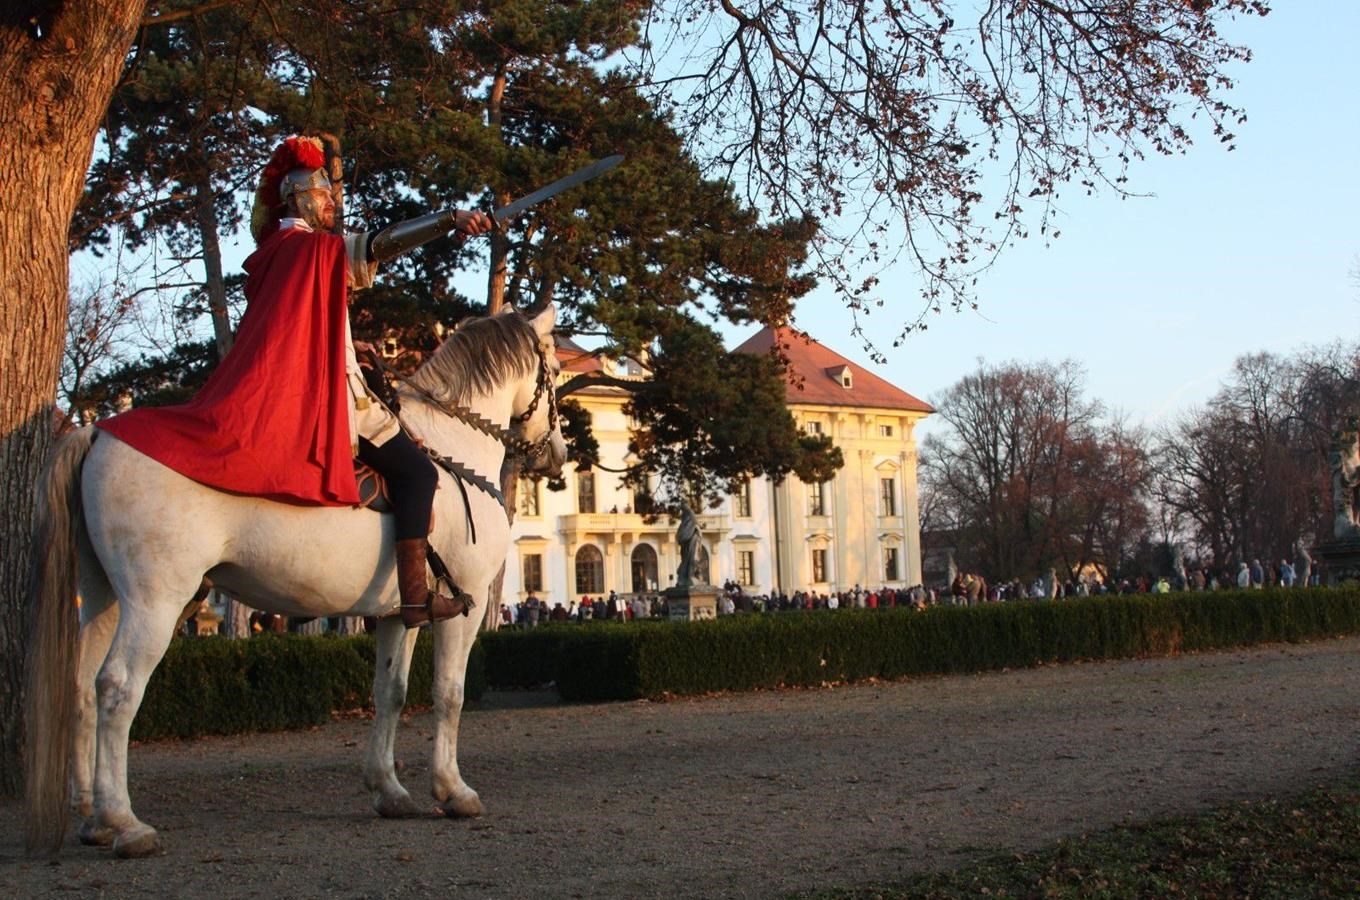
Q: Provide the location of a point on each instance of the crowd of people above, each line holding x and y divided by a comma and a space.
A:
968, 588
731, 600
964, 589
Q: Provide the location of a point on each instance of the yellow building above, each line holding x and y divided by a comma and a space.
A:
862, 527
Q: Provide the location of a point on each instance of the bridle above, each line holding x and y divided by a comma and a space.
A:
530, 450
546, 386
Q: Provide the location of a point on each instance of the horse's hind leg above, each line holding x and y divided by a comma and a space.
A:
99, 620
143, 633
392, 667
452, 643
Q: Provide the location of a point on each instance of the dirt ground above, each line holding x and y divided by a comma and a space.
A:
754, 795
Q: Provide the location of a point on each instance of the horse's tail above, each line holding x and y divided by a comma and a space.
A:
50, 689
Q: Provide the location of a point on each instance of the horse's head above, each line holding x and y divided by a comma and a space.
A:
501, 368
536, 420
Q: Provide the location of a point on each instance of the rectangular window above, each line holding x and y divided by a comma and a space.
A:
585, 492
818, 566
812, 427
887, 496
528, 497
742, 502
817, 499
533, 572
746, 567
890, 564
885, 431
641, 501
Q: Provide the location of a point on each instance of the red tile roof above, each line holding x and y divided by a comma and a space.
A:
574, 357
813, 370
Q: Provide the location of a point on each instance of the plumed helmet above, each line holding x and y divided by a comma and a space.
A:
297, 165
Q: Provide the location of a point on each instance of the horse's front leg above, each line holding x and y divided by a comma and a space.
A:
452, 643
396, 644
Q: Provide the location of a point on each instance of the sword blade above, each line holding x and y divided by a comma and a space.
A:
580, 176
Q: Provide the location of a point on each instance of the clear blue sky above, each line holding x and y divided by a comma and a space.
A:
1235, 252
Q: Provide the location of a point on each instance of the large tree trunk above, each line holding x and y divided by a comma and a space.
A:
59, 63
500, 245
491, 620
495, 299
214, 283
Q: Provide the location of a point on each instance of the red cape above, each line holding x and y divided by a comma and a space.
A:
273, 419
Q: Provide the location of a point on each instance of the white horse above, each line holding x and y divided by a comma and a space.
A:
142, 538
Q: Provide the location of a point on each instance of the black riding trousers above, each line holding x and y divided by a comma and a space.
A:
411, 482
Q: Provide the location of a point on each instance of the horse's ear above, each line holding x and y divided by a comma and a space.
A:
543, 322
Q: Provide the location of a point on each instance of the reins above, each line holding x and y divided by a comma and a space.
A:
462, 474
517, 445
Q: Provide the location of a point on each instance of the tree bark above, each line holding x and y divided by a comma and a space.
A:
495, 300
500, 245
57, 73
510, 491
214, 284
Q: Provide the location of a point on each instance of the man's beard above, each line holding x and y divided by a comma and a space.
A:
314, 215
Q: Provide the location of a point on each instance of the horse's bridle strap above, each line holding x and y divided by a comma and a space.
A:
529, 449
462, 474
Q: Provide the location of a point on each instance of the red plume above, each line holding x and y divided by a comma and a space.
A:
293, 153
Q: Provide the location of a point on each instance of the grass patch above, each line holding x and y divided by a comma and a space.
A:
1308, 846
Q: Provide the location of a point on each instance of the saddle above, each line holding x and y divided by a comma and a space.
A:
372, 488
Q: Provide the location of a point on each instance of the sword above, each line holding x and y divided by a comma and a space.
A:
402, 237
507, 212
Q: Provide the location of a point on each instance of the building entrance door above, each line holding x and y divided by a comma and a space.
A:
644, 569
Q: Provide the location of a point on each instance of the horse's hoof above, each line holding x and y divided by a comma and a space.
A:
92, 835
401, 807
138, 843
466, 807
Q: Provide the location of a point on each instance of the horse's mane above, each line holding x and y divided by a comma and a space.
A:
482, 353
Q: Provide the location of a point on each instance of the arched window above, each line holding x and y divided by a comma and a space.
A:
644, 569
701, 573
589, 570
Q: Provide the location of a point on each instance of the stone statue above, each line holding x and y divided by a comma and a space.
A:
1050, 579
688, 537
1179, 580
1346, 480
1303, 563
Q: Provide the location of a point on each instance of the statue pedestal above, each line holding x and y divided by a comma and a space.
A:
1342, 558
692, 603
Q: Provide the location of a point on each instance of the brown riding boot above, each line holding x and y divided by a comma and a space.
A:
419, 604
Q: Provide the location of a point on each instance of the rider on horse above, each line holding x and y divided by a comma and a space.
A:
287, 410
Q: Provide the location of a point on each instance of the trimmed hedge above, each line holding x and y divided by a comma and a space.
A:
619, 662
275, 682
522, 659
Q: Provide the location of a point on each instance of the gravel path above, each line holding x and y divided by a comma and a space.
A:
752, 795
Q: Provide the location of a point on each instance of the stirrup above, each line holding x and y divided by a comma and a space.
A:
428, 611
